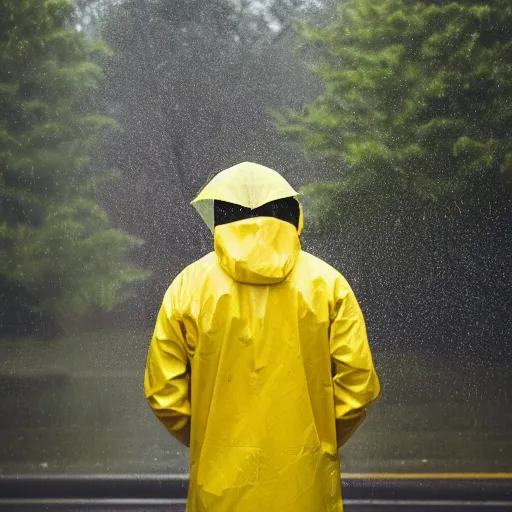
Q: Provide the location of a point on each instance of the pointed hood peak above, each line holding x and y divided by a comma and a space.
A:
247, 184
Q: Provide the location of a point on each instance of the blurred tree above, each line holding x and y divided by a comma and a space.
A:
417, 117
58, 255
417, 98
189, 84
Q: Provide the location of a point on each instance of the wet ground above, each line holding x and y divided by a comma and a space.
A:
349, 506
77, 406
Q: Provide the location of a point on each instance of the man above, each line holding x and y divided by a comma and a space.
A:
259, 359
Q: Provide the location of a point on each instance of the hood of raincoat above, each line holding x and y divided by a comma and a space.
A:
258, 250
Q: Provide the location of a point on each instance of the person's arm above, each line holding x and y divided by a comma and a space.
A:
355, 381
167, 379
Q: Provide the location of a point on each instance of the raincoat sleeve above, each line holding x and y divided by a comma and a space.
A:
355, 382
167, 375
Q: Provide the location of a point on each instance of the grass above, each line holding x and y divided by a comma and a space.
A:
76, 405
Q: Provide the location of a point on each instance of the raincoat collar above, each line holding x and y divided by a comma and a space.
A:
260, 250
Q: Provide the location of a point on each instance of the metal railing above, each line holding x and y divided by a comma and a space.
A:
169, 492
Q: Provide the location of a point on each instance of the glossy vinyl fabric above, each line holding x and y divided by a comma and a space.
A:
260, 363
247, 184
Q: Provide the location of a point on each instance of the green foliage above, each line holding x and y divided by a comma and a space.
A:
58, 256
417, 99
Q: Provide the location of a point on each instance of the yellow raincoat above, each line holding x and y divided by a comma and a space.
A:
260, 361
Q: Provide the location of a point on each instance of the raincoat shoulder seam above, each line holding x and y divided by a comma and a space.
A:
181, 293
323, 267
